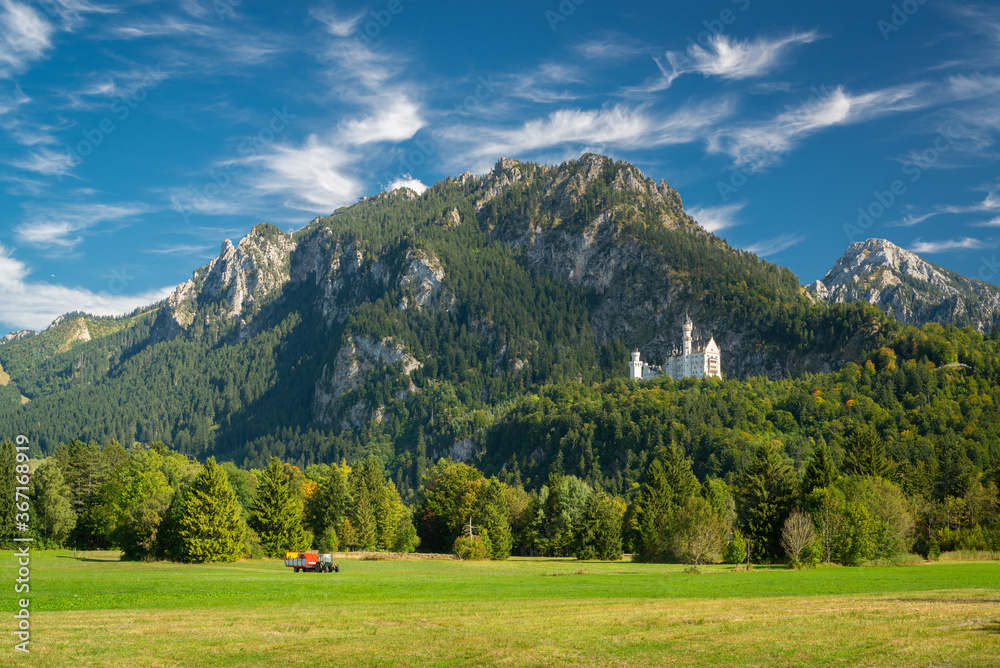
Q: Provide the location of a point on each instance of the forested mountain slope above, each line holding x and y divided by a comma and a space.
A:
406, 326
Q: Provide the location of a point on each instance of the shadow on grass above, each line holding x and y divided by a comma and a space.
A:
101, 561
990, 627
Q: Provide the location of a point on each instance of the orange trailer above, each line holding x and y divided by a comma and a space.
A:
311, 561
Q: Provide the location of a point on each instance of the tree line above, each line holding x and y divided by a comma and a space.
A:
153, 503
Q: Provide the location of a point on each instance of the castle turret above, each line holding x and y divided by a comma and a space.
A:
688, 327
635, 372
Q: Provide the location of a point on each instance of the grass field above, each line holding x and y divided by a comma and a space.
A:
95, 610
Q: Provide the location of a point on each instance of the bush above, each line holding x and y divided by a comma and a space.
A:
472, 549
328, 541
252, 548
933, 551
735, 549
407, 539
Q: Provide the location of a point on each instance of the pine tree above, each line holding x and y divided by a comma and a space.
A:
656, 513
211, 527
599, 532
83, 467
421, 460
866, 453
275, 514
821, 471
363, 510
492, 517
682, 481
328, 506
767, 494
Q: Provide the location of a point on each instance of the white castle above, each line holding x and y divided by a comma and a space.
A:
700, 358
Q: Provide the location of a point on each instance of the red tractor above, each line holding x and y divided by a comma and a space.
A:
311, 561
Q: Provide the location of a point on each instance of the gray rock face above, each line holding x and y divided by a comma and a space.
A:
354, 361
17, 336
243, 278
907, 287
421, 280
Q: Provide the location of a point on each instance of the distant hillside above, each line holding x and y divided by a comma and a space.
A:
909, 288
406, 326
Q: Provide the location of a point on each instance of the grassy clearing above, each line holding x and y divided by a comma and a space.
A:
524, 612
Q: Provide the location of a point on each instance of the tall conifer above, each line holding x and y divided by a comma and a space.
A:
211, 527
275, 514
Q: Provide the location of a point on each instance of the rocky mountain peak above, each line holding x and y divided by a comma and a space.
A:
243, 276
879, 258
504, 174
908, 287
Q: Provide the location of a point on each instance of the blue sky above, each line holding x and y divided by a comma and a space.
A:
136, 137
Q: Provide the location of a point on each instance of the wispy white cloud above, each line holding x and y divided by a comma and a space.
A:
726, 58
911, 219
715, 218
610, 49
183, 249
995, 222
322, 172
614, 127
72, 14
337, 25
162, 26
549, 82
11, 101
773, 246
27, 36
46, 161
989, 205
945, 245
28, 304
61, 228
315, 176
762, 143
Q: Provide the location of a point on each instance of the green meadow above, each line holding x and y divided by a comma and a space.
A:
96, 610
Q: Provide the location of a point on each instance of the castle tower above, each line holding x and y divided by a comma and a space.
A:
688, 327
635, 372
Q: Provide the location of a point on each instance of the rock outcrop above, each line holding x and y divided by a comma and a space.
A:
241, 280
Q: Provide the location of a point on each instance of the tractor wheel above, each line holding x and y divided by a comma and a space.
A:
296, 569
